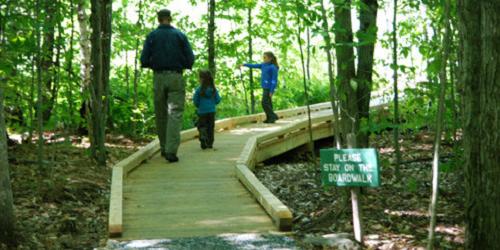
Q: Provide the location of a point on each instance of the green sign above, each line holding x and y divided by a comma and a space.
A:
350, 167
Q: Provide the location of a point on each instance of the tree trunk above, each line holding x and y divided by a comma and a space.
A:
83, 21
56, 69
439, 123
331, 77
32, 98
367, 37
453, 103
40, 98
127, 69
479, 24
34, 73
250, 56
6, 200
308, 55
71, 75
395, 86
345, 67
127, 75
304, 79
136, 70
211, 36
49, 94
247, 107
99, 90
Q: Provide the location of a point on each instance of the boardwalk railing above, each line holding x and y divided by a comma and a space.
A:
265, 146
295, 130
262, 147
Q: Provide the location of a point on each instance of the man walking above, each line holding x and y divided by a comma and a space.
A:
167, 52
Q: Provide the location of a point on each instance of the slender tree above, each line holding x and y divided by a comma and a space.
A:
308, 53
69, 69
40, 98
32, 95
304, 76
127, 75
439, 123
50, 8
99, 89
331, 77
395, 85
6, 200
480, 76
137, 72
250, 58
345, 66
453, 102
58, 44
85, 52
367, 36
211, 36
247, 107
127, 65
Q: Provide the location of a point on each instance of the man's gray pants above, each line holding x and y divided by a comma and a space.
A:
169, 98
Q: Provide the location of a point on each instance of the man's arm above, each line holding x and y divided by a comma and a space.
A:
187, 51
146, 53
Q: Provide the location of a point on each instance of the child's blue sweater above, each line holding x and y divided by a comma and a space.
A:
269, 78
206, 104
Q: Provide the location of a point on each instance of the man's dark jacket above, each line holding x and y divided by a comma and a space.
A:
167, 48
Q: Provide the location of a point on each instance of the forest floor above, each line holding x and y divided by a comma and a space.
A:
63, 205
395, 215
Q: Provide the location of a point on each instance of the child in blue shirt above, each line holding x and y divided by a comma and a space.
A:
206, 98
269, 81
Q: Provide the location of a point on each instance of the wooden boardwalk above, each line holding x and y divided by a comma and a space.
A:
198, 196
211, 192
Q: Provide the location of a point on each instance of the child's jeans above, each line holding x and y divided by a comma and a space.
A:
206, 126
267, 105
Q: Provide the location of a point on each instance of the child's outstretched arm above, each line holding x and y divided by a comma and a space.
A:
253, 66
196, 98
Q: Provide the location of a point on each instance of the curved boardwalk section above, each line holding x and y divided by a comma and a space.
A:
198, 196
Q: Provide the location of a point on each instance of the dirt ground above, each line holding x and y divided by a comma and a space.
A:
395, 215
64, 204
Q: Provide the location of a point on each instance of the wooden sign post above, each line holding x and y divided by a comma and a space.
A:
354, 168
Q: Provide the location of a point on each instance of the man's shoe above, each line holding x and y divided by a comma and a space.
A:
171, 158
269, 121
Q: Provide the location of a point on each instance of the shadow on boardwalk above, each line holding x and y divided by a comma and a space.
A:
223, 242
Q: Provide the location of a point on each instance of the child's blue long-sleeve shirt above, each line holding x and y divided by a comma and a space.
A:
269, 78
206, 104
